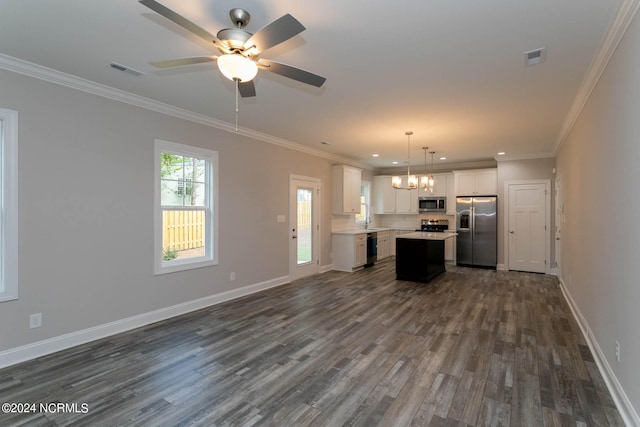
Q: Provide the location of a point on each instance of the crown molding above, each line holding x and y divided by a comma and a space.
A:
627, 11
50, 75
531, 156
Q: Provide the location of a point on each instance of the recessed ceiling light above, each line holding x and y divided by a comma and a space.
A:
443, 158
394, 163
502, 153
375, 155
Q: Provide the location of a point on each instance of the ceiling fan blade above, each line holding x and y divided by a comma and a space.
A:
247, 89
184, 23
183, 61
274, 33
292, 72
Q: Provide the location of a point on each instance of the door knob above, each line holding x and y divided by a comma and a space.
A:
557, 238
512, 232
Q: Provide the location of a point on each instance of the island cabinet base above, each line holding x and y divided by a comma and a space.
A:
419, 260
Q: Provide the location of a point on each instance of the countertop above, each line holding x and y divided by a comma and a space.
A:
355, 231
428, 236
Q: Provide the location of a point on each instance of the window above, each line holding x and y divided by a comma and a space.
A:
185, 207
365, 193
8, 205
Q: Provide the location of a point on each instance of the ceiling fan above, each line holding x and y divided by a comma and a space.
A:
240, 50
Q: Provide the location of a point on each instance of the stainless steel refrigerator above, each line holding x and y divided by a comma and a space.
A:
477, 225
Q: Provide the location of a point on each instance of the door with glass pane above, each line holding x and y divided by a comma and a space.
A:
304, 243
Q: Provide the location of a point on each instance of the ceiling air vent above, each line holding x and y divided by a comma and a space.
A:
125, 69
536, 56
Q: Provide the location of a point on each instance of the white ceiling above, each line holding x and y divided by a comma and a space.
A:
452, 71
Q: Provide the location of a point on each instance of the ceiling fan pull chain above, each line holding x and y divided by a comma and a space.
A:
237, 83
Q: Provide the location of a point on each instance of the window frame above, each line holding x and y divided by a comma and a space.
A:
9, 205
210, 208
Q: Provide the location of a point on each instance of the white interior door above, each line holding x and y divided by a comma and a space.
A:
527, 227
304, 228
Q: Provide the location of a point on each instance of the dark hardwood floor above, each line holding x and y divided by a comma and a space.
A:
473, 347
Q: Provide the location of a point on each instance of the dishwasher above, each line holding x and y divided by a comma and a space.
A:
372, 248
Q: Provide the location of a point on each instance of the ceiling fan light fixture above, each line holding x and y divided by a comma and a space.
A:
237, 67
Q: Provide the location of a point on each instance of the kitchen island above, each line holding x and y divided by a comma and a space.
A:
420, 255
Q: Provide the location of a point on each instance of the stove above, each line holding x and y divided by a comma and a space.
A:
434, 225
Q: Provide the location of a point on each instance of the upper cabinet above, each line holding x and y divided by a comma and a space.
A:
346, 182
383, 200
440, 185
451, 195
476, 182
406, 200
388, 200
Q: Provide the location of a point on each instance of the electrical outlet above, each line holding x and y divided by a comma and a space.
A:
232, 276
35, 320
618, 351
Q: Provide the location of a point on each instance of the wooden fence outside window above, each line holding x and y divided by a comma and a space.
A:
182, 229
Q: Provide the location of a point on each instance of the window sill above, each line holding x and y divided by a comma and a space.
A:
5, 298
175, 266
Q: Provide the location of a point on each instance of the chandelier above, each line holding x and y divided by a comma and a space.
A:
412, 180
427, 181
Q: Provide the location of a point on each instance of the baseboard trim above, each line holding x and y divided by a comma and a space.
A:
325, 268
501, 267
41, 348
625, 408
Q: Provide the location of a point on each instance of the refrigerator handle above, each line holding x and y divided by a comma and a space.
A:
473, 222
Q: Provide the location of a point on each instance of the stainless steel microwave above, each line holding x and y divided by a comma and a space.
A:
432, 204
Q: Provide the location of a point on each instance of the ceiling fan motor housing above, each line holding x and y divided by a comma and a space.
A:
234, 37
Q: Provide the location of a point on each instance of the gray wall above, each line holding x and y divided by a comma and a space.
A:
520, 170
599, 170
86, 210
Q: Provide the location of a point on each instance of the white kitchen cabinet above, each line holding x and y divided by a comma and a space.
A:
477, 182
451, 195
440, 186
384, 247
383, 199
347, 182
349, 251
450, 250
406, 200
360, 248
388, 200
